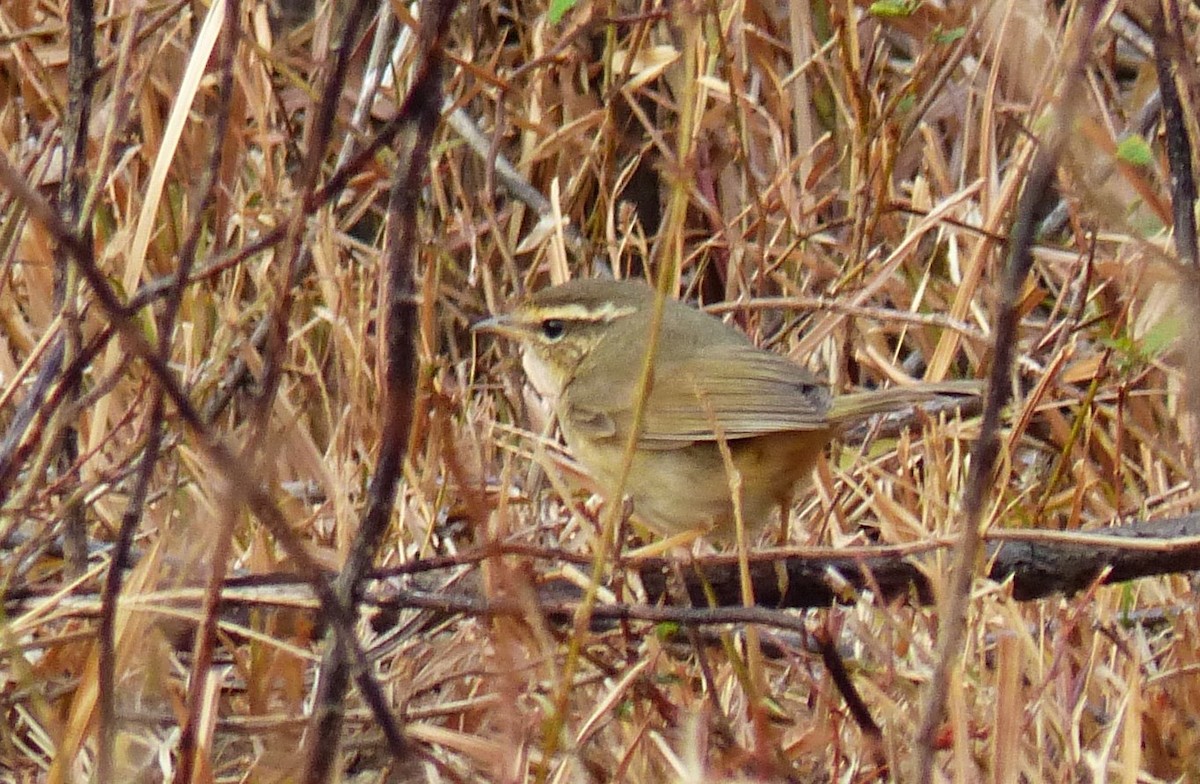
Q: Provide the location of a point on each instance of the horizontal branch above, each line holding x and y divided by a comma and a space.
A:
1039, 563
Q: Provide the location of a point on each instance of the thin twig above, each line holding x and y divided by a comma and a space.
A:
222, 459
397, 308
206, 635
987, 448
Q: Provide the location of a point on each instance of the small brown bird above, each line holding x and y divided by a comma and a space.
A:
583, 346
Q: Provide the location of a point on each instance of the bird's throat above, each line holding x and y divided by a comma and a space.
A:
545, 378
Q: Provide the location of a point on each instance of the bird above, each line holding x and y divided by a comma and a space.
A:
710, 390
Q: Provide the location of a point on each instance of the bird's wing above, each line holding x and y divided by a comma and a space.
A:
743, 392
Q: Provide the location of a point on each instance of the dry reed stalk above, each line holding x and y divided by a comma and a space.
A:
837, 180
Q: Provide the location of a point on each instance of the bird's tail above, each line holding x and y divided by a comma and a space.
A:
860, 405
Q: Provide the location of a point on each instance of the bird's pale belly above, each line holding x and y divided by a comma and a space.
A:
672, 490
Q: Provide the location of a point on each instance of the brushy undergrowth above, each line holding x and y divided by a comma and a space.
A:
839, 179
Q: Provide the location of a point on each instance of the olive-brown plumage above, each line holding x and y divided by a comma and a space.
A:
583, 345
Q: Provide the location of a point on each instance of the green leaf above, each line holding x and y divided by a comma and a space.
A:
666, 630
559, 8
949, 36
1126, 604
1135, 150
892, 9
1161, 336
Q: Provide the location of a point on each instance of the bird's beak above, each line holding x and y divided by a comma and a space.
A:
502, 325
486, 325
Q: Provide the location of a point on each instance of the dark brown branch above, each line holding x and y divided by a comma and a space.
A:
1172, 65
398, 314
1169, 52
1038, 563
206, 639
1030, 209
217, 452
1039, 567
81, 67
859, 711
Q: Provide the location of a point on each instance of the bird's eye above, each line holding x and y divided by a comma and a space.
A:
553, 329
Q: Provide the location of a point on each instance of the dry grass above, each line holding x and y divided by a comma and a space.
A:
866, 167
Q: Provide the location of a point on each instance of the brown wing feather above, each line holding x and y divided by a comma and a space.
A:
747, 392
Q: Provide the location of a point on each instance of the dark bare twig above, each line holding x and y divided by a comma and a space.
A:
1168, 54
1038, 564
19, 439
222, 459
206, 634
949, 64
311, 200
1169, 59
294, 250
81, 68
16, 443
987, 448
861, 714
398, 314
24, 429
